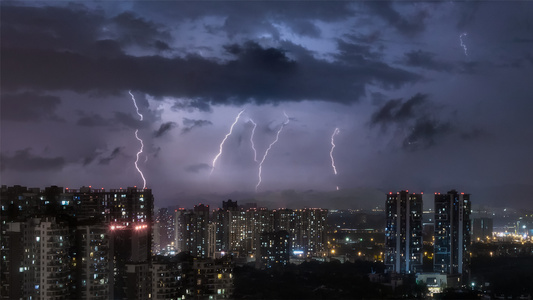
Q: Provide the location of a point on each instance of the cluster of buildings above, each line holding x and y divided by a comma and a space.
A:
450, 234
94, 244
247, 233
90, 243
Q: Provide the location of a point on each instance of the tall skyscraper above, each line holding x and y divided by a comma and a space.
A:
452, 234
403, 232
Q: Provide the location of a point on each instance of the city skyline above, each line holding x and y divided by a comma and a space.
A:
421, 96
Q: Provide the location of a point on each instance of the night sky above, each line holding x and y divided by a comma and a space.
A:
426, 96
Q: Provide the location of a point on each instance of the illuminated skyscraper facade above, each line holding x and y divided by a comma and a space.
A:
452, 233
403, 232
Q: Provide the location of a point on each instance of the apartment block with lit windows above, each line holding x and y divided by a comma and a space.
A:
403, 232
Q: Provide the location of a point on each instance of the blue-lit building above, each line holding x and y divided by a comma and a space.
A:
452, 234
403, 232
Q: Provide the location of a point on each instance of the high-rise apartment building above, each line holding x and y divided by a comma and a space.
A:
92, 263
452, 234
403, 232
193, 230
73, 244
275, 249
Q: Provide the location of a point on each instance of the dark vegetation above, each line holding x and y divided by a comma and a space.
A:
509, 276
314, 280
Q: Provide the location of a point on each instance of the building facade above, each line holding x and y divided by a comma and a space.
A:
403, 232
452, 234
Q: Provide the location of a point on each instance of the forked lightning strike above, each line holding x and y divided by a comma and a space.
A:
252, 140
331, 151
462, 42
224, 140
137, 160
333, 147
135, 103
268, 149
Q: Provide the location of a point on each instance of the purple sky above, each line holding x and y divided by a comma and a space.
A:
419, 106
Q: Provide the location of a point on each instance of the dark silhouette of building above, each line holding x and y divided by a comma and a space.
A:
74, 243
482, 229
275, 249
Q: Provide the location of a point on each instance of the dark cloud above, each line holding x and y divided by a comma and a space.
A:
257, 74
305, 28
370, 38
132, 29
92, 120
197, 168
414, 117
190, 124
164, 128
127, 120
355, 53
424, 133
190, 105
29, 106
75, 28
106, 160
72, 28
398, 111
24, 161
254, 17
467, 13
426, 60
408, 25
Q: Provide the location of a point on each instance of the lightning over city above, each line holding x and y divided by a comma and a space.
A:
268, 149
462, 42
224, 140
363, 115
335, 132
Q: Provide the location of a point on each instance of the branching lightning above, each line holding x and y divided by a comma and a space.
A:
135, 103
462, 42
224, 140
252, 140
268, 149
331, 151
137, 160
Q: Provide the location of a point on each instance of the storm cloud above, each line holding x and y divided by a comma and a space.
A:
191, 124
24, 160
164, 128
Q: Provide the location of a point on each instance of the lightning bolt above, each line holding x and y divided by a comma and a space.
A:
224, 140
331, 151
137, 160
462, 43
268, 149
252, 140
135, 103
140, 140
